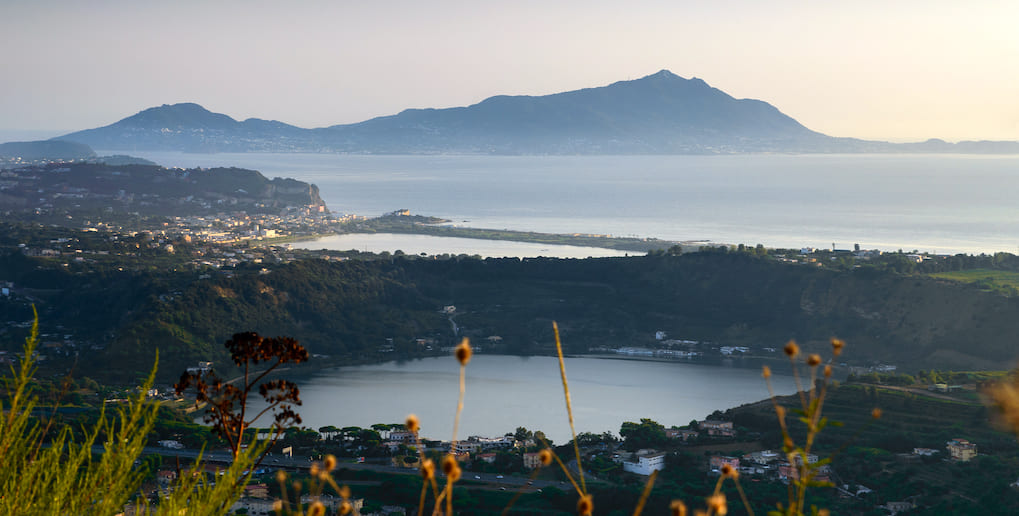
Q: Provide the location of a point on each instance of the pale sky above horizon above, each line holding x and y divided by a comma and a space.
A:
904, 70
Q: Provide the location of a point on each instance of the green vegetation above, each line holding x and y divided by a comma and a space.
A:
49, 470
371, 308
1004, 282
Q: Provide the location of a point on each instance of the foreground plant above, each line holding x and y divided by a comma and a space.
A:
810, 415
228, 404
95, 475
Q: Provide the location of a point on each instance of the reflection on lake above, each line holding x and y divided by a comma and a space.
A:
504, 392
433, 245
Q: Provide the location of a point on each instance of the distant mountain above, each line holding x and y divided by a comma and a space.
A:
658, 114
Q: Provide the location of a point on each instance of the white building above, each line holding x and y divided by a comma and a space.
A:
646, 464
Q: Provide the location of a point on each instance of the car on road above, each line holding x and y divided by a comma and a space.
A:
477, 477
498, 476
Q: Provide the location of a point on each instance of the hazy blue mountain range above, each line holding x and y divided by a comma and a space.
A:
658, 114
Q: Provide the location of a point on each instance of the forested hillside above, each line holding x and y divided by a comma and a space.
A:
379, 309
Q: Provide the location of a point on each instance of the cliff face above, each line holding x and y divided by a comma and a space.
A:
294, 191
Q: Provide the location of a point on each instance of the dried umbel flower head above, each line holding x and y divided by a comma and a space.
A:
281, 476
677, 508
428, 469
463, 352
766, 372
277, 506
451, 468
314, 469
876, 413
344, 492
827, 371
836, 346
813, 360
316, 509
585, 505
545, 456
330, 462
345, 508
412, 423
791, 349
717, 505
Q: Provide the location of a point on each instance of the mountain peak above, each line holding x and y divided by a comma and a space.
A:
658, 113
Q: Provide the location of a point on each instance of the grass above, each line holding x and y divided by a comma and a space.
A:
990, 279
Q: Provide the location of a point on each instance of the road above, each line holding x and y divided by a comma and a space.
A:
489, 480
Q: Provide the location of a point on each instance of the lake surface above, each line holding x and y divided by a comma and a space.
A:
504, 392
934, 203
432, 245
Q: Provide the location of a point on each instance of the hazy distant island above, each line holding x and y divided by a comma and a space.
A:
661, 113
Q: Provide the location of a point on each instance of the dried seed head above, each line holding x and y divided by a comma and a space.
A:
876, 413
281, 476
323, 476
451, 468
316, 509
585, 505
344, 492
836, 346
813, 360
428, 469
330, 462
448, 463
297, 485
823, 512
729, 472
345, 508
827, 371
412, 423
791, 349
717, 505
277, 506
766, 372
314, 469
677, 508
1005, 397
545, 456
464, 352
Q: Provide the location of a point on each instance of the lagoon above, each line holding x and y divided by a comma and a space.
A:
433, 245
504, 392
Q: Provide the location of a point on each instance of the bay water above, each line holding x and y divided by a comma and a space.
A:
935, 203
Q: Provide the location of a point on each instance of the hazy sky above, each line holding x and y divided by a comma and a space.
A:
900, 70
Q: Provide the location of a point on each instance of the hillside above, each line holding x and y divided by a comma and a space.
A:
350, 310
99, 190
47, 149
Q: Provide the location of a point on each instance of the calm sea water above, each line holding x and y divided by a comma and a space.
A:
936, 203
504, 392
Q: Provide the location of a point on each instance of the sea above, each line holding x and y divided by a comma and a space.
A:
941, 204
504, 392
